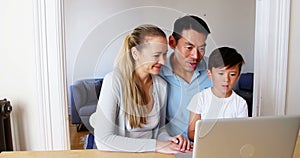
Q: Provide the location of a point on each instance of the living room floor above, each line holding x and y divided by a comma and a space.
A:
76, 137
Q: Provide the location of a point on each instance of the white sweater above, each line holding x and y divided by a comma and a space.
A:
110, 125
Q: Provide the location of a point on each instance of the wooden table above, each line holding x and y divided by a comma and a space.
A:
80, 154
97, 154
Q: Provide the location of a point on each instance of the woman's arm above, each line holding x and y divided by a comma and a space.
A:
109, 128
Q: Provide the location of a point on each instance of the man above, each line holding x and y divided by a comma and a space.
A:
185, 70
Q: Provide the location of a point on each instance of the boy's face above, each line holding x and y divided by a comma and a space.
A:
224, 80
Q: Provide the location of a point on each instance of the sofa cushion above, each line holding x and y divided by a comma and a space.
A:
88, 109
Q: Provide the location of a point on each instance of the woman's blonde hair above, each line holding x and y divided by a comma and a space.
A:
134, 96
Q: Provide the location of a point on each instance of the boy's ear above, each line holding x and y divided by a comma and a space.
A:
239, 74
208, 73
172, 42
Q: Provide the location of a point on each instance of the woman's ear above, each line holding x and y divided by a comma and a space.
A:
208, 73
134, 53
172, 42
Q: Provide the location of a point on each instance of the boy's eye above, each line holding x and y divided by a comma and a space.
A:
233, 74
221, 73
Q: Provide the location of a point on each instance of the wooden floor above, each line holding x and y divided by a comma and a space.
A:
76, 138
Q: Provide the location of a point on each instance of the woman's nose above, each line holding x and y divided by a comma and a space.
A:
162, 59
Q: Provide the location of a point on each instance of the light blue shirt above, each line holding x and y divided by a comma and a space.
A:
180, 93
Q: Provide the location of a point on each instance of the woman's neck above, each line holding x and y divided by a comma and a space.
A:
146, 81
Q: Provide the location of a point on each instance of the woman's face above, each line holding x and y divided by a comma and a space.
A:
151, 55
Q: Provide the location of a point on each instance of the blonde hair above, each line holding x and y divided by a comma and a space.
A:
134, 96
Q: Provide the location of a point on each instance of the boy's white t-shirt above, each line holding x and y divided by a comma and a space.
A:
210, 106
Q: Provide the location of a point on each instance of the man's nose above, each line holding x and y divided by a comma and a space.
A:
195, 53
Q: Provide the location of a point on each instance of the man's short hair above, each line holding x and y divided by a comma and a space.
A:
189, 22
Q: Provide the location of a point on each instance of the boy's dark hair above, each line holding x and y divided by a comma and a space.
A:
225, 57
189, 22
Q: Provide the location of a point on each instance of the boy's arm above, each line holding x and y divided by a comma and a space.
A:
192, 124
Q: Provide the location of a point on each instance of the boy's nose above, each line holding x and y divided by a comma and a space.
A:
226, 78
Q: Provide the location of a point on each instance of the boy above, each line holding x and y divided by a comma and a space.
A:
219, 101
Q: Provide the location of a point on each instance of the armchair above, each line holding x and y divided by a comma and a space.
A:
84, 96
244, 88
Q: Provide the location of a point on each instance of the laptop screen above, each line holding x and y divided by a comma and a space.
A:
272, 136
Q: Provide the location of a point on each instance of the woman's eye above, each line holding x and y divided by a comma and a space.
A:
156, 56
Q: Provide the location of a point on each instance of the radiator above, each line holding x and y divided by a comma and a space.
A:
5, 128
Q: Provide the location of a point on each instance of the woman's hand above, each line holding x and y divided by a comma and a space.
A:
184, 143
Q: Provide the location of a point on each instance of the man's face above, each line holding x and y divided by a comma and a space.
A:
190, 49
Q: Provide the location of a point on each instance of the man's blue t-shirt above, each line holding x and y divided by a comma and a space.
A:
180, 93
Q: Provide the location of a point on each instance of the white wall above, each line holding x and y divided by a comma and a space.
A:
293, 78
32, 73
18, 73
95, 29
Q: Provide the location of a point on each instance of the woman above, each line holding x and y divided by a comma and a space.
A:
130, 115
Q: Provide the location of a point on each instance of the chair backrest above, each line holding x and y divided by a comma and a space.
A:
83, 92
86, 90
246, 81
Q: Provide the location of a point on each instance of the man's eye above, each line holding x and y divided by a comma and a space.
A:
201, 49
188, 48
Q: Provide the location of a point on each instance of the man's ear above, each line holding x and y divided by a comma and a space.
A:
172, 42
134, 53
208, 73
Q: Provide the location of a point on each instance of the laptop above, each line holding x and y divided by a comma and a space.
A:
257, 137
